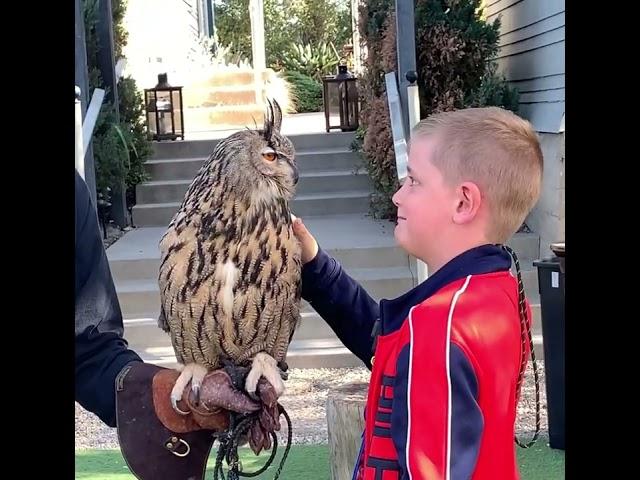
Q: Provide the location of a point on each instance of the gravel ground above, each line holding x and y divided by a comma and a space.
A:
305, 399
113, 234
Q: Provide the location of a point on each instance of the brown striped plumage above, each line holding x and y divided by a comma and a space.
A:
230, 263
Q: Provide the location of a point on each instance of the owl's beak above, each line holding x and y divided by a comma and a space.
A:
296, 176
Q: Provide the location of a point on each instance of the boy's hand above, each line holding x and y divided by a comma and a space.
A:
308, 244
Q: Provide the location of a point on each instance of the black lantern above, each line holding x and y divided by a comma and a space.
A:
340, 98
165, 118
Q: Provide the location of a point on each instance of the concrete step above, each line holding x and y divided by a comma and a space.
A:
356, 241
141, 299
138, 298
222, 116
322, 353
310, 183
203, 148
145, 331
308, 161
224, 78
222, 95
335, 203
350, 258
315, 353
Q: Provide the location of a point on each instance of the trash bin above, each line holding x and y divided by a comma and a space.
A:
551, 287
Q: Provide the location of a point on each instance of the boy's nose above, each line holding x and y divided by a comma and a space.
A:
395, 198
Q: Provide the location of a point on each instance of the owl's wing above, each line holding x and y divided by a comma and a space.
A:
287, 318
187, 276
162, 319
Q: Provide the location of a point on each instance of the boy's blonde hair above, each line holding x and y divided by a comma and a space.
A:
495, 149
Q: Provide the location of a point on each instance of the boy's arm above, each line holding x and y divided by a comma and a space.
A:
342, 303
436, 423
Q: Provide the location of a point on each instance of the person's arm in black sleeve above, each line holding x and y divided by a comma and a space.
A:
101, 351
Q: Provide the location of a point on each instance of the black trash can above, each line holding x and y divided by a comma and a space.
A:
551, 287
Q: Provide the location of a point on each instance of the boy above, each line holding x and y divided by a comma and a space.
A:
449, 354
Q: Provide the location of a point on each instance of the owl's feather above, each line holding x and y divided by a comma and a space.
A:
230, 264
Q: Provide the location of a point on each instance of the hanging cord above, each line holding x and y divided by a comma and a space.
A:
228, 449
525, 334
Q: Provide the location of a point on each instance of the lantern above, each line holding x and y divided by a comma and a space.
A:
165, 118
340, 98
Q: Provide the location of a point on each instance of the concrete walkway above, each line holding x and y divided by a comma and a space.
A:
331, 233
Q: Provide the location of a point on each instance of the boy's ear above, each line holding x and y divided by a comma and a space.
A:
468, 201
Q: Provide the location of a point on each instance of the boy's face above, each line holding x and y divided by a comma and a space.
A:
425, 203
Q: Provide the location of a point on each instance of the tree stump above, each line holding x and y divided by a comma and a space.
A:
345, 424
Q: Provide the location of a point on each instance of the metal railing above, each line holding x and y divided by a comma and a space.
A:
400, 136
84, 130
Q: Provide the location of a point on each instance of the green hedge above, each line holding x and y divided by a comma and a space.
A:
306, 92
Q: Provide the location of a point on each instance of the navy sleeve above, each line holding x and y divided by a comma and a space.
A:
467, 422
342, 303
101, 351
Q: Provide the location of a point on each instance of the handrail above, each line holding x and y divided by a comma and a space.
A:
79, 142
397, 125
84, 130
399, 138
91, 117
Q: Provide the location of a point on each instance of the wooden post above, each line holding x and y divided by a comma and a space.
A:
357, 46
345, 424
256, 15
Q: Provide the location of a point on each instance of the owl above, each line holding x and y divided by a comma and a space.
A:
230, 267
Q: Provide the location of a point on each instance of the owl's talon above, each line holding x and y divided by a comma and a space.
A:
254, 396
195, 391
264, 365
174, 404
193, 373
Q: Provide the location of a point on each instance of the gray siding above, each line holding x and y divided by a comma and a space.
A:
532, 56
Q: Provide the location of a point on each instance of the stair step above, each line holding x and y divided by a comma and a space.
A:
320, 353
141, 299
138, 298
316, 160
222, 116
224, 78
144, 332
334, 203
319, 182
203, 148
301, 354
350, 258
229, 95
354, 240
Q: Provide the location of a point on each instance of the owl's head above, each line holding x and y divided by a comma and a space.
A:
261, 161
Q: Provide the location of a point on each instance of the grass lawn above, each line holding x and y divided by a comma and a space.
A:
305, 462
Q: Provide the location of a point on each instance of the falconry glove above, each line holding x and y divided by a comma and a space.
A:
159, 443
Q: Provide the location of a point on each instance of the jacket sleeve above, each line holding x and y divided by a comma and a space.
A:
421, 424
342, 303
101, 351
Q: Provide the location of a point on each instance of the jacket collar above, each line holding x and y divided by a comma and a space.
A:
476, 261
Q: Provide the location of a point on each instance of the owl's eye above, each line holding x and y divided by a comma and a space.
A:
269, 154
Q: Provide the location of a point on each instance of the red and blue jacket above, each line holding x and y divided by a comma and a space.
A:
445, 359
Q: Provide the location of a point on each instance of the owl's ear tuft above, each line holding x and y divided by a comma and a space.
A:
272, 119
